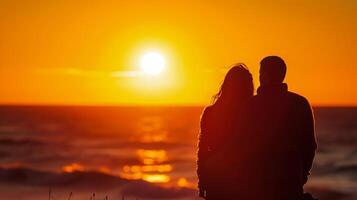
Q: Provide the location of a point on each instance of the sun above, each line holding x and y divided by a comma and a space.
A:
152, 63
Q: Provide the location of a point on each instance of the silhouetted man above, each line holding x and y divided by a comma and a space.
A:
275, 141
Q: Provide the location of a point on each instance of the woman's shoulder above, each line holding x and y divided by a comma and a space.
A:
207, 112
207, 117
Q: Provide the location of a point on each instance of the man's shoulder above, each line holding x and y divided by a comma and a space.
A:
291, 96
297, 98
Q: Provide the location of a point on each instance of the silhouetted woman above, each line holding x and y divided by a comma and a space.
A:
214, 168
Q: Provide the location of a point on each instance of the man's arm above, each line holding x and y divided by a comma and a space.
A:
309, 144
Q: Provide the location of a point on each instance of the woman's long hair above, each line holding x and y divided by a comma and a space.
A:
215, 156
237, 86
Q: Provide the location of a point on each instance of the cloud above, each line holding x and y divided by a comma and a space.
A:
126, 74
89, 73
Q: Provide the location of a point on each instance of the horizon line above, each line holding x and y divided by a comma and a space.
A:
141, 105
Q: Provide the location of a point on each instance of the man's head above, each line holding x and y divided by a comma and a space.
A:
272, 70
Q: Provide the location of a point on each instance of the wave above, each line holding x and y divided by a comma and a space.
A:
88, 181
325, 193
15, 142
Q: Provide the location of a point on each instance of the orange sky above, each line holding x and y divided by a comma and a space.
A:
79, 52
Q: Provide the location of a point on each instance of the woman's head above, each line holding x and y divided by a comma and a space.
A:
237, 85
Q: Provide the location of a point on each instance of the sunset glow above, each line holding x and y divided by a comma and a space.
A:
117, 99
67, 53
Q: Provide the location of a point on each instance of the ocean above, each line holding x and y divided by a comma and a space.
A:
75, 152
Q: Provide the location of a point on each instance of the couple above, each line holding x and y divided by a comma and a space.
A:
256, 147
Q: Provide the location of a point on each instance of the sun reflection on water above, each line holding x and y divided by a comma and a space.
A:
72, 168
156, 178
152, 168
153, 165
151, 129
152, 156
